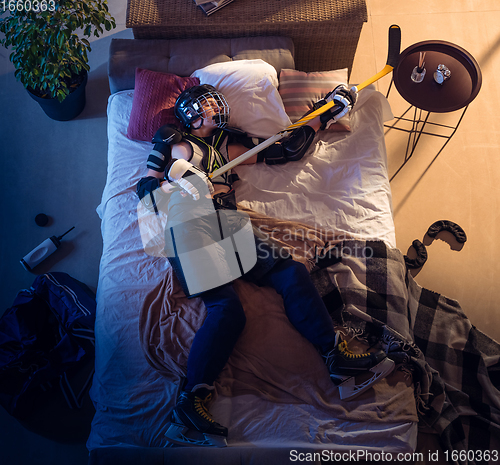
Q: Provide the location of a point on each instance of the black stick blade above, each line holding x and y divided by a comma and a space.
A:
394, 45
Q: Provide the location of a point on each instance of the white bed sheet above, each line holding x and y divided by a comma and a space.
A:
341, 183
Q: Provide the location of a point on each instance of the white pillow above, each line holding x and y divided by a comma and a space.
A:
250, 87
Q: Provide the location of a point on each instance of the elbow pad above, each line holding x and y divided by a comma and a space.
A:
292, 148
161, 154
159, 157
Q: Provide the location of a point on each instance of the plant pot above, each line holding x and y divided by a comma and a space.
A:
66, 110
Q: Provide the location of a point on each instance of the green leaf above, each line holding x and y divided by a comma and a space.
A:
61, 95
45, 50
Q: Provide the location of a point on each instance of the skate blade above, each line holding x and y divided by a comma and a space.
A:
182, 435
349, 390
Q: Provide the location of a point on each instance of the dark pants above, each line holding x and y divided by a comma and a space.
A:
214, 341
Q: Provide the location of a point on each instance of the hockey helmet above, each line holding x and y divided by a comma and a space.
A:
201, 102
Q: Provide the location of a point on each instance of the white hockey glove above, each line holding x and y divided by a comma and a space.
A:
344, 100
190, 179
343, 97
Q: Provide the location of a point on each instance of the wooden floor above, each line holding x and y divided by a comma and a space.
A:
461, 183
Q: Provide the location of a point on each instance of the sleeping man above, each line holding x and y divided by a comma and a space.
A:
180, 165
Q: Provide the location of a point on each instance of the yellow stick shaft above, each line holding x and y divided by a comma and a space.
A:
248, 154
387, 69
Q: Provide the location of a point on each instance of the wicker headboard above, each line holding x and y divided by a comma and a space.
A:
325, 32
182, 57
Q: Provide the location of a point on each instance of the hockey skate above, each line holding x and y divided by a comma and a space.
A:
345, 365
192, 425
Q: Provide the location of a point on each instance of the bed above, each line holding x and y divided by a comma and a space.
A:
274, 394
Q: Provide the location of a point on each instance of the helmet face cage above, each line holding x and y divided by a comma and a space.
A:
203, 102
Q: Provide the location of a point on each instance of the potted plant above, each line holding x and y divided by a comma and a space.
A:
49, 48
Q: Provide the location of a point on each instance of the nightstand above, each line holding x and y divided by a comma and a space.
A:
428, 96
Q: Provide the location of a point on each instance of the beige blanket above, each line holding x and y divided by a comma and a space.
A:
271, 359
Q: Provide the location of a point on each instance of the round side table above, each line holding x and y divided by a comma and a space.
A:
455, 93
428, 96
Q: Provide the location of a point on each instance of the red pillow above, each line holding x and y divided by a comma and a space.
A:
154, 98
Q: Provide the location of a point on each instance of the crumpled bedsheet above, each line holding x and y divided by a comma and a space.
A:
271, 359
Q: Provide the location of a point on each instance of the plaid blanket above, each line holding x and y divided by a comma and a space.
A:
455, 367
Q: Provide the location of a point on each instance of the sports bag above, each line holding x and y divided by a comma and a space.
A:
46, 338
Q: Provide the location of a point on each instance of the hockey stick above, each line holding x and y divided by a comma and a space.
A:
392, 61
